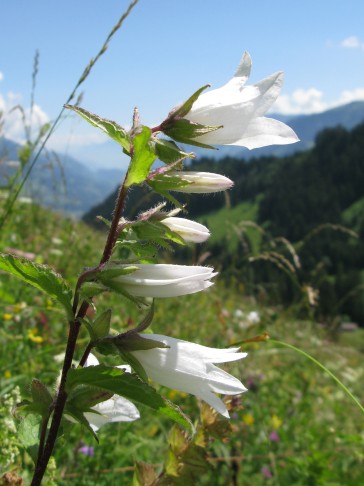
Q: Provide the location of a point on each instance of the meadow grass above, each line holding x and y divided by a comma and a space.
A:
293, 426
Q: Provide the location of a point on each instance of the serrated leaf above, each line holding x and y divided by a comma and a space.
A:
40, 276
140, 249
127, 385
78, 416
111, 128
142, 160
28, 430
41, 396
84, 397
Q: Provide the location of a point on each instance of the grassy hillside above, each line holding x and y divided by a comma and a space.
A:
294, 425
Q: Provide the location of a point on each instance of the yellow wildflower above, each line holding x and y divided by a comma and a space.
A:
248, 419
276, 422
7, 374
7, 317
32, 335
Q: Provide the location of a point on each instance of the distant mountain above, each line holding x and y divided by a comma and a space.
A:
306, 127
60, 181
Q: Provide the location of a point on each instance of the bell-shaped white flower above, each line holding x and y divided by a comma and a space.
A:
190, 368
239, 109
163, 280
201, 182
115, 409
190, 231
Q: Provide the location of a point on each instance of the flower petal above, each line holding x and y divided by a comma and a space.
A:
116, 409
188, 367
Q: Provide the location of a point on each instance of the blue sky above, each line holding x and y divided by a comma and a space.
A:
165, 51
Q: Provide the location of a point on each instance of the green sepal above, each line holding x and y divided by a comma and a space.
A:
135, 364
166, 182
119, 288
40, 276
106, 348
168, 152
132, 341
111, 128
186, 131
185, 108
101, 325
114, 269
90, 289
142, 158
157, 232
116, 381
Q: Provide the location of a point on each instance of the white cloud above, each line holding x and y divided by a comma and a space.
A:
300, 101
65, 135
62, 140
1, 76
312, 101
352, 42
14, 117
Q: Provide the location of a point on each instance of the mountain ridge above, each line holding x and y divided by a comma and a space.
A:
66, 184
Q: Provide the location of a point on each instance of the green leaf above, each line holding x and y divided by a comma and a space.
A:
185, 108
41, 277
168, 152
78, 416
41, 396
111, 128
140, 249
84, 397
28, 430
127, 385
142, 160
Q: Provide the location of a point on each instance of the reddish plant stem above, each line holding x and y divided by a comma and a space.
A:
58, 405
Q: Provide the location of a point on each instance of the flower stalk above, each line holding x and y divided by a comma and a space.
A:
45, 453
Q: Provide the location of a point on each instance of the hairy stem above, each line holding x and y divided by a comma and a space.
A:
45, 452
